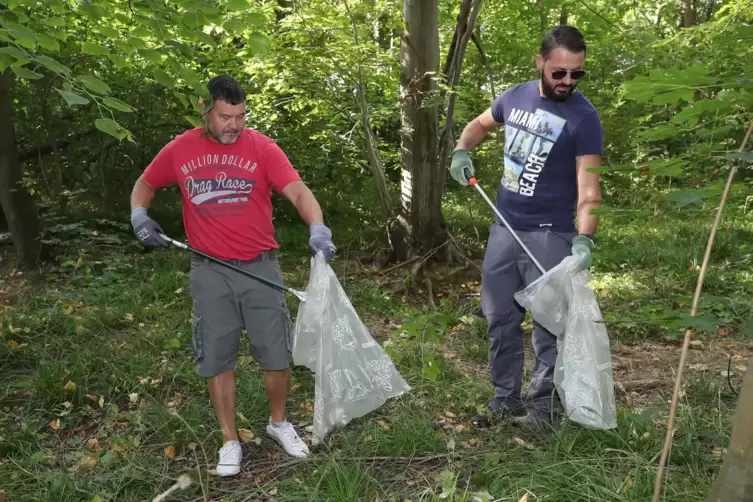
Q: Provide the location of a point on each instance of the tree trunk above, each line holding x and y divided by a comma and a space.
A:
3, 221
735, 480
422, 179
460, 26
283, 9
563, 15
372, 151
688, 13
18, 206
455, 70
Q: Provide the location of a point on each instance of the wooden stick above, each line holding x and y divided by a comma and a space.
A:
694, 308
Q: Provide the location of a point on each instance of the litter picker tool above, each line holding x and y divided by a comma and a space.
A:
299, 294
472, 180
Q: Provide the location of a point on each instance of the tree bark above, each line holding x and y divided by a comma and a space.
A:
3, 221
375, 161
735, 480
422, 179
563, 15
688, 13
460, 27
18, 206
455, 70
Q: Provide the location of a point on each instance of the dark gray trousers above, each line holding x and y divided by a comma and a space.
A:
506, 270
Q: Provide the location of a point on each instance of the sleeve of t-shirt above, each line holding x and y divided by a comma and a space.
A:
160, 172
589, 136
277, 167
498, 106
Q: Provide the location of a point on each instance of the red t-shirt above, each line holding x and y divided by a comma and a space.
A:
227, 190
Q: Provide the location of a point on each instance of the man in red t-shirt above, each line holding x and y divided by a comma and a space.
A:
226, 173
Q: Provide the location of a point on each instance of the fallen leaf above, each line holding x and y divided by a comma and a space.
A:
245, 435
384, 425
67, 404
133, 397
273, 491
700, 367
449, 414
516, 441
170, 452
93, 444
55, 424
368, 438
696, 344
723, 332
2, 495
212, 472
68, 309
129, 317
12, 344
87, 463
69, 386
101, 401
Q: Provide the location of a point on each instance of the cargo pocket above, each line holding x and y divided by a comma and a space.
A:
197, 338
287, 325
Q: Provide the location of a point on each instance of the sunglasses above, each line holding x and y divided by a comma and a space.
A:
574, 74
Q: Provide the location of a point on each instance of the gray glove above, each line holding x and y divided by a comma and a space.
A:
582, 245
147, 230
321, 240
461, 162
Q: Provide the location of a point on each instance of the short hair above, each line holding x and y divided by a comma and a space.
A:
564, 36
225, 88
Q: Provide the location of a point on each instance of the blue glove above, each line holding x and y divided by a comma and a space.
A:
321, 240
146, 229
582, 245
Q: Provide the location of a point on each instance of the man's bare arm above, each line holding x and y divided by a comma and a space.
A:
304, 201
589, 194
142, 194
475, 132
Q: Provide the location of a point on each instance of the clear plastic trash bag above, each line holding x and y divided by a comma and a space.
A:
563, 303
353, 374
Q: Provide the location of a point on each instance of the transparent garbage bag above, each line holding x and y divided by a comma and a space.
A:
353, 374
563, 303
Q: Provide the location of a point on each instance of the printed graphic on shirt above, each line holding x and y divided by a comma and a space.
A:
529, 137
213, 179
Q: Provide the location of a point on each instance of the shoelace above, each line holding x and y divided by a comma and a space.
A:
291, 435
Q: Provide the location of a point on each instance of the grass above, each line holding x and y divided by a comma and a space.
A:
100, 400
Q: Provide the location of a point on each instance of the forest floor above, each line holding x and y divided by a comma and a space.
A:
100, 400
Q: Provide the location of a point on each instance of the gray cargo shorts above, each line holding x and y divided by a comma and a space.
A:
224, 301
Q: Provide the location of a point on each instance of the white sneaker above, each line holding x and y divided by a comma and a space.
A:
285, 434
230, 459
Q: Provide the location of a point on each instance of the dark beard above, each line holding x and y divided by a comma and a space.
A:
548, 90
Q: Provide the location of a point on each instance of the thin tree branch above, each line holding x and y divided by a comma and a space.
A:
610, 23
693, 310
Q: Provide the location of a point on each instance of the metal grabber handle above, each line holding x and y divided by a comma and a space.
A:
472, 180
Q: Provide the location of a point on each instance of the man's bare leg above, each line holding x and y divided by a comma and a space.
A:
276, 384
222, 393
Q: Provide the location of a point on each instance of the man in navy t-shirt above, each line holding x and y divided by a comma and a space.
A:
553, 135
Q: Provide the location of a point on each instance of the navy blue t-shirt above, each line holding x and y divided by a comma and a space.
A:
543, 137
